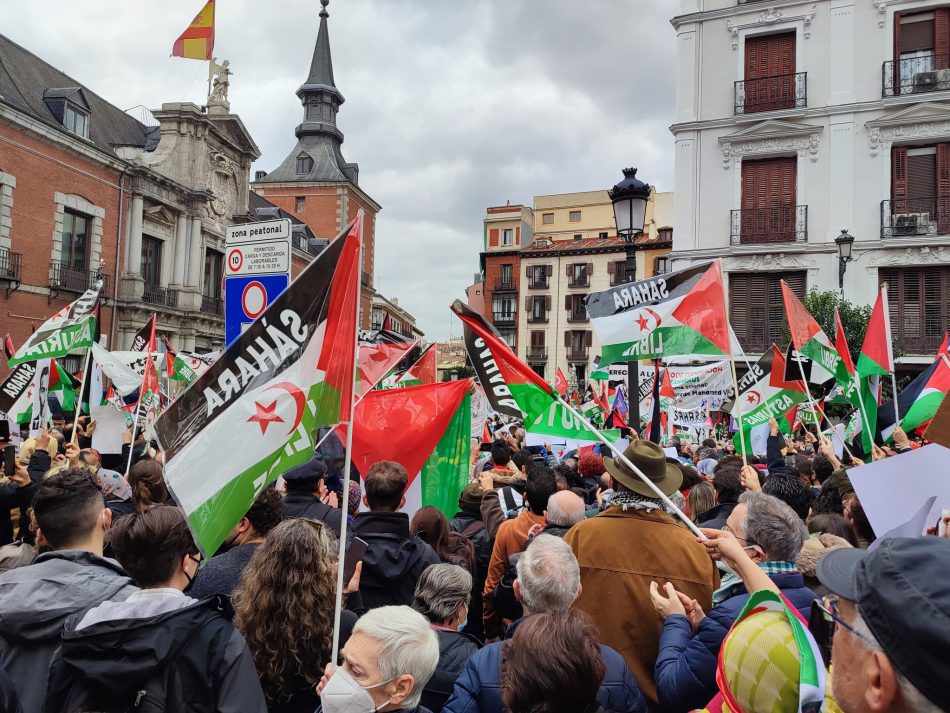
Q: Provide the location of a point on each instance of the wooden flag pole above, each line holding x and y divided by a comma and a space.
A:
347, 460
623, 459
738, 407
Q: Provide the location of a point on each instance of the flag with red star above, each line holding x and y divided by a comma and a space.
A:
763, 393
666, 315
253, 414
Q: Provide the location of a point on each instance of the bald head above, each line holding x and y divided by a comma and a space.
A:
565, 509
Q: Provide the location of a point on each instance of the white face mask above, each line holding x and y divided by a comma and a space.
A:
342, 694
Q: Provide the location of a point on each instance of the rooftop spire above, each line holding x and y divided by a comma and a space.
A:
321, 67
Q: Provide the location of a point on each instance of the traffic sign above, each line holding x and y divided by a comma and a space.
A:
252, 232
246, 298
267, 257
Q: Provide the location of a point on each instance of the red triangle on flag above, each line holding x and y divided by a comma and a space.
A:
876, 347
841, 344
777, 375
666, 388
800, 322
704, 309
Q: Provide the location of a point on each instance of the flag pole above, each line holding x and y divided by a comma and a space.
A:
347, 459
623, 459
135, 423
817, 412
890, 353
82, 388
738, 406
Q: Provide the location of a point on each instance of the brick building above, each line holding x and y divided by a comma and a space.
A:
315, 183
507, 229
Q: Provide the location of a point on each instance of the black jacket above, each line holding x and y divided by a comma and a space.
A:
102, 665
483, 542
223, 572
394, 559
455, 649
716, 517
307, 505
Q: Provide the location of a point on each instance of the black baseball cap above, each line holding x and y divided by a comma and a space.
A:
901, 592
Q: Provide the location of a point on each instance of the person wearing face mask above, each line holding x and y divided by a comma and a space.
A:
72, 520
772, 535
159, 645
443, 594
386, 664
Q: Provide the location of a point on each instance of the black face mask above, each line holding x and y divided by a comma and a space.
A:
191, 580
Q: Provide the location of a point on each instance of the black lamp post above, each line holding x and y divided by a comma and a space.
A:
845, 243
630, 198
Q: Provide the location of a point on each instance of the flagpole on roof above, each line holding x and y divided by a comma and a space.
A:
348, 456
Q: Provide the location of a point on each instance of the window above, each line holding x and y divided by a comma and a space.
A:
665, 235
768, 212
578, 236
576, 342
538, 276
304, 164
152, 260
919, 303
618, 272
537, 350
602, 235
661, 265
75, 245
921, 51
920, 204
574, 216
299, 203
504, 276
579, 274
214, 269
756, 309
580, 373
537, 306
76, 121
576, 308
503, 308
769, 82
509, 336
547, 218
507, 236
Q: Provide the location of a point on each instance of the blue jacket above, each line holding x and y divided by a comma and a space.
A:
685, 670
478, 687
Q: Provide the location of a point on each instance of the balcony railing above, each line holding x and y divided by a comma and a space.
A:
917, 334
74, 279
505, 318
211, 305
782, 91
537, 318
10, 265
574, 354
541, 284
915, 75
778, 224
575, 281
577, 317
158, 295
504, 285
907, 217
537, 354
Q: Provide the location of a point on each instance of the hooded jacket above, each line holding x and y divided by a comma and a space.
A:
36, 601
110, 655
455, 649
394, 558
308, 506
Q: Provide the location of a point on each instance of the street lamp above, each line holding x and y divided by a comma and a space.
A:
630, 198
845, 243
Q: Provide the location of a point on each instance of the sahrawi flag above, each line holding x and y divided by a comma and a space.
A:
677, 313
763, 393
513, 388
253, 414
426, 428
423, 371
72, 328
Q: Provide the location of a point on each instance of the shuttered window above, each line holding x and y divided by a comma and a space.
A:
921, 173
768, 200
915, 32
769, 72
756, 310
920, 184
919, 301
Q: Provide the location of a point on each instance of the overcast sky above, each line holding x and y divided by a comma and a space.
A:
451, 106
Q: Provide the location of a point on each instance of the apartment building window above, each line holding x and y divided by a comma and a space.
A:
665, 235
921, 53
214, 271
503, 309
538, 276
299, 203
547, 218
618, 272
507, 236
74, 250
505, 277
537, 349
578, 274
509, 336
576, 342
151, 260
770, 82
576, 308
537, 307
574, 216
919, 302
756, 309
769, 213
602, 235
661, 265
920, 192
76, 121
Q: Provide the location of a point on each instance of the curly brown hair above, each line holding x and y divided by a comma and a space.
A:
284, 604
147, 480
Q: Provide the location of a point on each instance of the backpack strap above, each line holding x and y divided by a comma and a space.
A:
472, 529
509, 498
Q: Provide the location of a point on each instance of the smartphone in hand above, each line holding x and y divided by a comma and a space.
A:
9, 461
354, 553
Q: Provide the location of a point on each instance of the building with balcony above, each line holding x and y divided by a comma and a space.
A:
84, 184
795, 120
387, 312
507, 229
314, 182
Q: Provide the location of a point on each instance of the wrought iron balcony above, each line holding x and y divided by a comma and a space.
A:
158, 295
782, 91
574, 354
538, 318
211, 305
505, 318
778, 224
576, 317
536, 354
907, 217
10, 268
504, 285
578, 281
541, 284
915, 75
74, 279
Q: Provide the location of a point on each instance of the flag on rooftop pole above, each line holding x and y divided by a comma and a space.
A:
197, 41
70, 329
676, 313
254, 413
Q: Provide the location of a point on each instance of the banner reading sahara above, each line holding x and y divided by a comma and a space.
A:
73, 327
668, 315
254, 412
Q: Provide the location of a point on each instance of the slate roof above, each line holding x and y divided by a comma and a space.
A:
300, 234
30, 85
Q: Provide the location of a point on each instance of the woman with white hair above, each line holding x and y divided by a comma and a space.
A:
386, 663
442, 596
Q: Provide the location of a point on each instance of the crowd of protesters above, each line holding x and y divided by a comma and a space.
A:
560, 585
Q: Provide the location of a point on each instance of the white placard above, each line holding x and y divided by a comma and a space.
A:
265, 257
110, 423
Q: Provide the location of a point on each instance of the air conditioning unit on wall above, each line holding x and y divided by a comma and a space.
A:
911, 223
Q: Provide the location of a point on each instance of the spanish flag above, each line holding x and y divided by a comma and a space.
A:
197, 41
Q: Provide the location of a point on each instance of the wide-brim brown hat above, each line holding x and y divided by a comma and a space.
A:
651, 460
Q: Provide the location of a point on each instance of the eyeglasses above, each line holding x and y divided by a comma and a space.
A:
749, 543
829, 607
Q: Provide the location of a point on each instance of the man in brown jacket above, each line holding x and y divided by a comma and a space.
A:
633, 542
